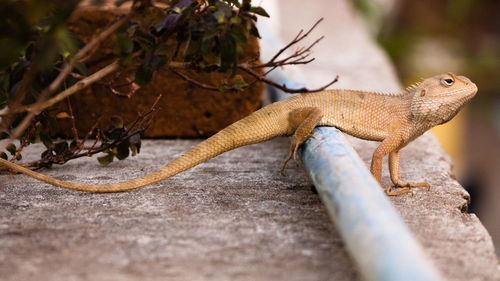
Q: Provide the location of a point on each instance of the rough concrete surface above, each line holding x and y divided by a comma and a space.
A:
232, 218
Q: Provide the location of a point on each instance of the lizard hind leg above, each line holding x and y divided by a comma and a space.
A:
304, 120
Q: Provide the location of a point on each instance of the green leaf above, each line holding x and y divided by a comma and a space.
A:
133, 149
235, 20
228, 52
113, 133
239, 83
177, 10
118, 3
81, 68
47, 154
105, 160
73, 145
145, 40
222, 89
126, 48
254, 31
193, 47
167, 23
209, 34
143, 75
11, 148
122, 150
220, 17
235, 2
259, 11
135, 139
61, 148
238, 34
126, 59
35, 138
116, 121
17, 73
151, 63
246, 6
135, 144
46, 140
54, 127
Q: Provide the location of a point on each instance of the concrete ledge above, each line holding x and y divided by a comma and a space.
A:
232, 218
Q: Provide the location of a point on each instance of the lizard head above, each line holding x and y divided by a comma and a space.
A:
438, 99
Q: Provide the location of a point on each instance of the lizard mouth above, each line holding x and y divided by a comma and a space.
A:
473, 89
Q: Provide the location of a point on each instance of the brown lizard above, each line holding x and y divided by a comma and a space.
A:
393, 119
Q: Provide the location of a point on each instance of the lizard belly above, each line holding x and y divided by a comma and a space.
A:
357, 129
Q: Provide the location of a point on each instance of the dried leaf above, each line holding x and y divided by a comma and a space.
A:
62, 115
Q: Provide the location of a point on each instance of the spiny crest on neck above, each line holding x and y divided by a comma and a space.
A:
366, 92
413, 86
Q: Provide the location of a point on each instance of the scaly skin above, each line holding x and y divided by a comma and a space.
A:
393, 119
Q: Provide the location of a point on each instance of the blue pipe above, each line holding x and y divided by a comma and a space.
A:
375, 235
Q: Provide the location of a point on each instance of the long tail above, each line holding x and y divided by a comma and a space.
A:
260, 126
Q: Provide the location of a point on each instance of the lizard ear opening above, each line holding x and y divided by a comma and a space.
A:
421, 93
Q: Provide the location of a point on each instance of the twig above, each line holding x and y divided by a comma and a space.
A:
284, 87
73, 122
298, 38
193, 81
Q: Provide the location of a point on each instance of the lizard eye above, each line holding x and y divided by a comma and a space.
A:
448, 81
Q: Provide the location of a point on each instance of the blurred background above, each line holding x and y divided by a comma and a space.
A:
425, 37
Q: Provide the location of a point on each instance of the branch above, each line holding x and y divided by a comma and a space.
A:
300, 56
194, 81
284, 87
138, 126
56, 83
87, 81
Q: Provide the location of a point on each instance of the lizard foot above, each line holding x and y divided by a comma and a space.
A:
294, 146
405, 188
401, 191
414, 184
282, 171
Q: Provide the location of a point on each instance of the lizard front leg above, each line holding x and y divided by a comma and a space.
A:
304, 120
394, 172
390, 145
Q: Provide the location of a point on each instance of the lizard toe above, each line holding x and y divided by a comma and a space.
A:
401, 191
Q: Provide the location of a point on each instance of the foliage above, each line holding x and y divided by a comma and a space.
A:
211, 33
41, 61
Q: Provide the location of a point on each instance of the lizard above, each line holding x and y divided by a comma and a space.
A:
393, 119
